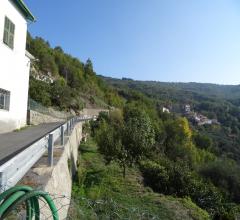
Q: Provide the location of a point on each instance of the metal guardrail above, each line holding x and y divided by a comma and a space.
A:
14, 169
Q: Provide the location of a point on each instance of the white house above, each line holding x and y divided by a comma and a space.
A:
14, 64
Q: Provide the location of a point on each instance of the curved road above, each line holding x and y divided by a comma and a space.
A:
13, 143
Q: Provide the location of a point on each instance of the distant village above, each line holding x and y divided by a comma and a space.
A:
195, 117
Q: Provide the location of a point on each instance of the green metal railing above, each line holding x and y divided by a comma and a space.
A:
16, 196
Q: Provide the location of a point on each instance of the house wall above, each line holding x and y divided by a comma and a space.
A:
14, 69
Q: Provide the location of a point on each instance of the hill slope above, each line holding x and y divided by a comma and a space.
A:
58, 79
114, 197
213, 101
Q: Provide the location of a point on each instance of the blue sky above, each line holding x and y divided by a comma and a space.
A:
163, 40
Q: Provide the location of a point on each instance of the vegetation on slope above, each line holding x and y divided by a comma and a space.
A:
171, 155
168, 157
214, 101
69, 83
101, 193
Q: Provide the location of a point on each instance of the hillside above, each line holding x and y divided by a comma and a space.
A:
168, 152
229, 92
103, 194
220, 102
60, 80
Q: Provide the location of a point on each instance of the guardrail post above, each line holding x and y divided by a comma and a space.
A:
3, 182
62, 135
50, 150
71, 123
68, 127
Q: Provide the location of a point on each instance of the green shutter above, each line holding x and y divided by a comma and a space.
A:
12, 28
8, 35
7, 23
5, 37
11, 41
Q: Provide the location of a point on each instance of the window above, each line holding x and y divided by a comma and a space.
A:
4, 99
8, 36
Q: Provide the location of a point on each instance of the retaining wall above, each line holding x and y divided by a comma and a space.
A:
36, 118
57, 180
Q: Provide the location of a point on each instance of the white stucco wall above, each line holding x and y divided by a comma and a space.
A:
14, 69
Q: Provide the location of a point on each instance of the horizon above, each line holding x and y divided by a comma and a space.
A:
176, 82
162, 41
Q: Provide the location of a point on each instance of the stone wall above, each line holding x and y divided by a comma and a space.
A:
92, 112
36, 118
57, 180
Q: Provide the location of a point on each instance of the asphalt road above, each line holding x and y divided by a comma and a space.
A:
14, 142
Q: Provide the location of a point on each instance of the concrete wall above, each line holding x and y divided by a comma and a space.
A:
57, 180
36, 118
14, 69
92, 112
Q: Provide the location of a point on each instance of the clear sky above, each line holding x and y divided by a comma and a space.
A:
163, 40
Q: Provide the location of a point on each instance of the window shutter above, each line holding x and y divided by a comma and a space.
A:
8, 35
12, 28
7, 102
4, 99
5, 37
1, 101
10, 41
7, 23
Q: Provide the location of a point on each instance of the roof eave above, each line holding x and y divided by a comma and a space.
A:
21, 5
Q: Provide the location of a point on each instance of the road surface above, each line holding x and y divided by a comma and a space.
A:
13, 143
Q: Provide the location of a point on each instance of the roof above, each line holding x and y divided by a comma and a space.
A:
24, 9
29, 55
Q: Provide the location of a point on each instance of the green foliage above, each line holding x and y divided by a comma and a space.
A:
101, 193
177, 179
40, 91
125, 140
175, 157
74, 82
203, 141
219, 102
61, 94
225, 175
178, 143
138, 134
86, 128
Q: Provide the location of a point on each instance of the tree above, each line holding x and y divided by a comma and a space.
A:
88, 68
109, 139
203, 141
139, 135
178, 143
61, 94
125, 142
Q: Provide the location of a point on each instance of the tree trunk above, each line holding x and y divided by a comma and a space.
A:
124, 171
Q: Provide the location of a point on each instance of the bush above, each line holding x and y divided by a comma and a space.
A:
177, 179
225, 175
155, 176
40, 92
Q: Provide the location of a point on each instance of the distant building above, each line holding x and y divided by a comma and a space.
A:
187, 108
14, 64
205, 122
164, 109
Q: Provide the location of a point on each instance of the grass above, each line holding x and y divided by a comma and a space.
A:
100, 192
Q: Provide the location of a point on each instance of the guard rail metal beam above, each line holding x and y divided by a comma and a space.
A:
12, 171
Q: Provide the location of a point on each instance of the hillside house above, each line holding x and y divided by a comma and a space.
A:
164, 109
187, 108
14, 64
